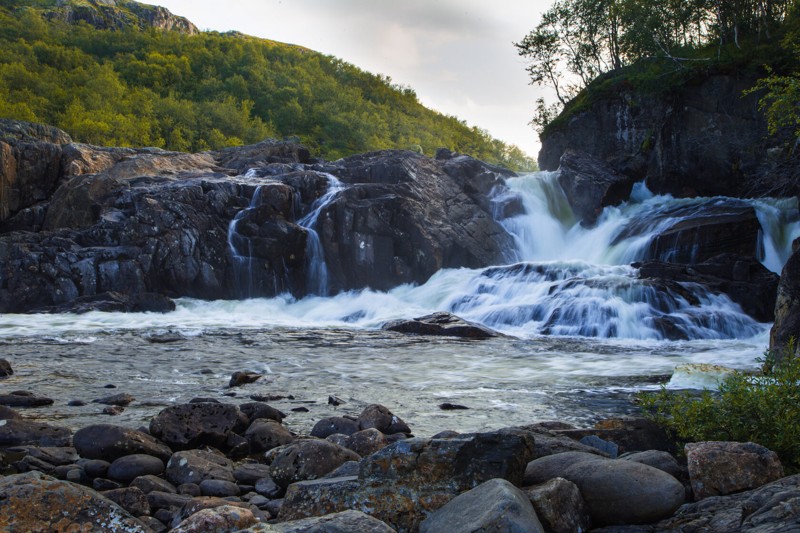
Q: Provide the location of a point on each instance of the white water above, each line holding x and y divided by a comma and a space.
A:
317, 268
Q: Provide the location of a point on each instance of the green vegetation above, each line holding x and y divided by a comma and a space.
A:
144, 87
763, 408
653, 45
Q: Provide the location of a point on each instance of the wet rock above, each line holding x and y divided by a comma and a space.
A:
335, 401
6, 413
131, 499
300, 409
334, 523
259, 409
76, 403
197, 424
348, 469
5, 368
452, 407
559, 505
334, 425
264, 434
366, 442
250, 473
24, 399
266, 486
381, 418
94, 467
128, 468
36, 502
443, 324
307, 459
113, 410
218, 488
719, 468
495, 505
110, 442
112, 301
243, 378
591, 184
617, 492
550, 442
224, 518
150, 483
785, 331
121, 400
193, 466
17, 432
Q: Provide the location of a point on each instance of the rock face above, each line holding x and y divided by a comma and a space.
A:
77, 222
118, 14
787, 309
700, 139
720, 468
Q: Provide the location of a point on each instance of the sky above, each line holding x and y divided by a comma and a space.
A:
458, 55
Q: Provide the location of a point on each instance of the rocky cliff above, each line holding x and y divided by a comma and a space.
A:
117, 14
702, 138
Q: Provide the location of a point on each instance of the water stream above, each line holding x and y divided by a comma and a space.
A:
583, 332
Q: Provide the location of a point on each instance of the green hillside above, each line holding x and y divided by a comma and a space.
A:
103, 73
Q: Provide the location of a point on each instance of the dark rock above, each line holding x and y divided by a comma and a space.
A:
366, 442
76, 403
166, 338
55, 455
238, 446
307, 459
150, 483
333, 425
197, 424
128, 468
607, 447
23, 399
190, 489
495, 505
220, 518
242, 378
131, 499
31, 464
121, 399
785, 331
550, 443
166, 500
452, 407
269, 398
112, 302
664, 461
16, 432
559, 505
617, 492
264, 434
153, 523
348, 469
443, 324
193, 466
379, 417
36, 502
109, 442
250, 473
94, 467
335, 401
346, 521
256, 410
219, 488
267, 487
113, 410
300, 410
5, 368
101, 484
591, 184
446, 434
719, 468
6, 413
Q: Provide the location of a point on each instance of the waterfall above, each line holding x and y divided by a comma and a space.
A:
241, 248
316, 267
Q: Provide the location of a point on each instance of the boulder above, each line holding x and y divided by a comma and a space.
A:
223, 518
559, 506
785, 331
110, 442
121, 399
250, 473
495, 505
366, 442
193, 466
719, 468
441, 324
343, 522
132, 499
256, 410
381, 418
17, 432
219, 488
126, 469
36, 502
24, 399
197, 424
334, 425
307, 459
591, 184
664, 461
150, 483
617, 492
7, 413
5, 368
240, 378
264, 435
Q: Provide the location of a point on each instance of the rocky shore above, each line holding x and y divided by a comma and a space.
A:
212, 465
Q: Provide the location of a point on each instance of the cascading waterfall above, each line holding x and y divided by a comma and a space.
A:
241, 248
316, 267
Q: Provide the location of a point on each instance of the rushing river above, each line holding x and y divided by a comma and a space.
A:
581, 333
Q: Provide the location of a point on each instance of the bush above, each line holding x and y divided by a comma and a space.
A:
763, 408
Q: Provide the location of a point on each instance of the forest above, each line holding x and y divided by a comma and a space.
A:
660, 42
134, 86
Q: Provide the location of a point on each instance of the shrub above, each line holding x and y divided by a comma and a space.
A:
762, 408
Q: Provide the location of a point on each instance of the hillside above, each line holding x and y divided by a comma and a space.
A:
121, 73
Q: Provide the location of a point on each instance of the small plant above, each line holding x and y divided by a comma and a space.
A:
762, 408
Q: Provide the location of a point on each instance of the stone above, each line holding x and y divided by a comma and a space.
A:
264, 434
110, 442
366, 442
193, 466
250, 473
153, 523
102, 485
149, 483
193, 425
17, 432
56, 455
131, 499
219, 488
94, 467
7, 413
333, 425
719, 468
256, 410
128, 468
5, 368
190, 489
113, 410
590, 185
157, 499
785, 331
379, 417
495, 505
664, 461
617, 492
441, 324
36, 502
343, 522
243, 378
121, 399
266, 486
24, 399
335, 401
307, 459
348, 469
607, 447
559, 505
224, 518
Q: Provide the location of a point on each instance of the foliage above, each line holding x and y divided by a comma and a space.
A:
579, 40
763, 408
146, 87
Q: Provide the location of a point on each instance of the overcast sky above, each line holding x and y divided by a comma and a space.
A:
456, 54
